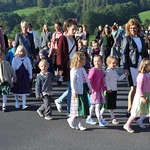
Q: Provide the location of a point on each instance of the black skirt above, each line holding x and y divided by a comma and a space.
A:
111, 100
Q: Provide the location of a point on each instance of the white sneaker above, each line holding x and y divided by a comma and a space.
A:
24, 108
80, 128
71, 123
40, 113
128, 129
115, 122
48, 118
58, 106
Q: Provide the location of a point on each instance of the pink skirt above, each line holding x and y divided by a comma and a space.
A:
97, 98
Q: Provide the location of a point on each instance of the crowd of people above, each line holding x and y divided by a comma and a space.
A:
87, 68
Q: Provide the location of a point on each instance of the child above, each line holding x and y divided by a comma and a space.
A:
80, 45
10, 54
43, 88
96, 77
79, 86
96, 51
6, 74
141, 102
23, 69
43, 55
84, 50
111, 79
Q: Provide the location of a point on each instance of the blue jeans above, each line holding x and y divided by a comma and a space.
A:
63, 97
66, 95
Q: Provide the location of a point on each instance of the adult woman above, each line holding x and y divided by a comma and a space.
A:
85, 33
26, 39
79, 34
134, 50
46, 35
53, 51
67, 46
117, 43
147, 39
2, 41
106, 43
99, 33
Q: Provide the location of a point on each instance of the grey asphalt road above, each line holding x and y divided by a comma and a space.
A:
25, 130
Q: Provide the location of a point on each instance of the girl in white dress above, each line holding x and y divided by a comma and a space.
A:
23, 69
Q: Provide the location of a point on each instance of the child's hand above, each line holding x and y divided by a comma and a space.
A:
126, 71
74, 95
109, 91
38, 97
143, 100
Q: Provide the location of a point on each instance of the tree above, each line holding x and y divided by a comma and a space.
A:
92, 20
42, 3
9, 20
147, 23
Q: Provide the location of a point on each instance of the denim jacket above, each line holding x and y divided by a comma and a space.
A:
130, 52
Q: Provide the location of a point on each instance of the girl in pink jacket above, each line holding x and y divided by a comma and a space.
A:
141, 102
96, 78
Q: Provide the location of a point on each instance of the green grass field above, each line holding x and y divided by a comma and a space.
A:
28, 11
144, 15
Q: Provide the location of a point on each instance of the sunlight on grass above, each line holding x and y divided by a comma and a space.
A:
28, 11
144, 15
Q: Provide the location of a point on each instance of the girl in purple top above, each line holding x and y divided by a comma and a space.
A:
96, 78
141, 102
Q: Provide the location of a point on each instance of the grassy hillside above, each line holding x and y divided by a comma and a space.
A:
144, 15
28, 11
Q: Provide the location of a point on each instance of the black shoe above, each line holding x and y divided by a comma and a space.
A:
119, 60
128, 114
59, 83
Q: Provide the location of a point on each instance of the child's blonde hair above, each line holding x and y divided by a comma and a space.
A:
21, 48
77, 59
110, 59
44, 61
143, 65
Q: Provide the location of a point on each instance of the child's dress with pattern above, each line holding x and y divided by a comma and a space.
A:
79, 106
143, 89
